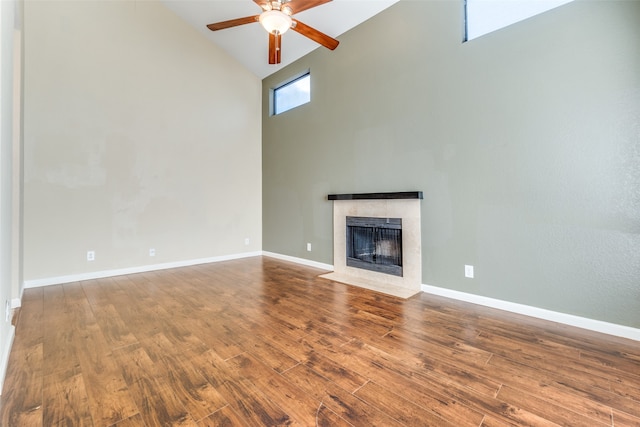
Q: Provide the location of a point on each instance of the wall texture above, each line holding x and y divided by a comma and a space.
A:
10, 168
139, 134
526, 143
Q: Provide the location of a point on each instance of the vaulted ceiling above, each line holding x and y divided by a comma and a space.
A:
249, 43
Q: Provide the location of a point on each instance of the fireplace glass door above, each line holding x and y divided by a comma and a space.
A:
375, 244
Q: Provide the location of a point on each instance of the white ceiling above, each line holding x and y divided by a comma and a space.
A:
249, 43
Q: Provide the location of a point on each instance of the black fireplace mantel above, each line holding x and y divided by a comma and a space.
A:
380, 196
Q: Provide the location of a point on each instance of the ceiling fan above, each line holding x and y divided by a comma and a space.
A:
276, 18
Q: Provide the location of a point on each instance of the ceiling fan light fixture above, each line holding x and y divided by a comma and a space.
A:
275, 22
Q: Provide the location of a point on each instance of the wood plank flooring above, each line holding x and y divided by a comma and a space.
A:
262, 342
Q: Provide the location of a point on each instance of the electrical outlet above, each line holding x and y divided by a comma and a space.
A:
308, 247
152, 252
91, 255
468, 271
247, 241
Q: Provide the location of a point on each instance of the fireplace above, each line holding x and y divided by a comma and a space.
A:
375, 244
403, 251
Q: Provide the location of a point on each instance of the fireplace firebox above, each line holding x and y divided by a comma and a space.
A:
374, 244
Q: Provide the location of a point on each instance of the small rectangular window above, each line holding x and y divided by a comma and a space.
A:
485, 16
292, 94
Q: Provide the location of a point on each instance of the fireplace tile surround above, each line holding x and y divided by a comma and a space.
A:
404, 205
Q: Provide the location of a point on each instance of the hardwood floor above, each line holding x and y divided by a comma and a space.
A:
261, 342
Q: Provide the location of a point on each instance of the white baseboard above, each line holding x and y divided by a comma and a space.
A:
540, 313
4, 362
141, 269
302, 261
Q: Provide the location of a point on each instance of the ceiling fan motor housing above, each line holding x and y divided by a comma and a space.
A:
277, 5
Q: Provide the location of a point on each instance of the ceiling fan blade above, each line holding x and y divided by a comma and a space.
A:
298, 6
232, 23
315, 35
274, 48
264, 4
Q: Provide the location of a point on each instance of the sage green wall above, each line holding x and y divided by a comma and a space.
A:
139, 134
525, 142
